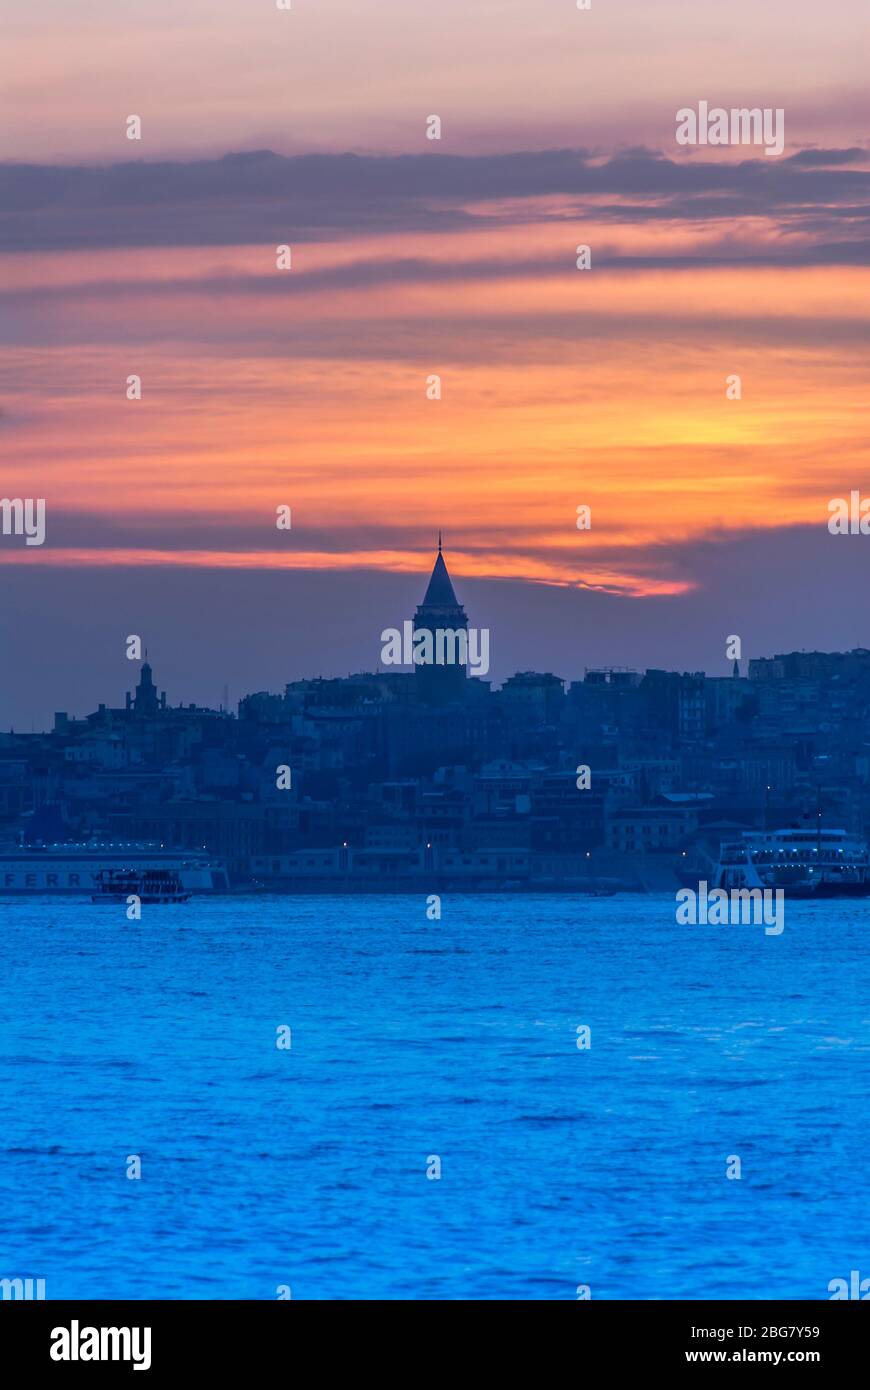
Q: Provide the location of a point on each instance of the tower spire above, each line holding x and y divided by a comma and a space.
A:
441, 680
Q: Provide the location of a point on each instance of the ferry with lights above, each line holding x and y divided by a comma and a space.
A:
806, 863
79, 869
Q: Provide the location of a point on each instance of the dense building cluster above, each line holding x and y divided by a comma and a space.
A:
426, 774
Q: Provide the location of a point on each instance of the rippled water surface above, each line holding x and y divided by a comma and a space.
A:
559, 1167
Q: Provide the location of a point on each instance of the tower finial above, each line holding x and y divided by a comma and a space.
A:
439, 542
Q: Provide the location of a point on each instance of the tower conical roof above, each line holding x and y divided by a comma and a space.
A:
440, 592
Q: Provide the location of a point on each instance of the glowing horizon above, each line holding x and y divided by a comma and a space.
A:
560, 387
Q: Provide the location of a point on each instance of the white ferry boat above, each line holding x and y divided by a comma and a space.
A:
77, 869
806, 863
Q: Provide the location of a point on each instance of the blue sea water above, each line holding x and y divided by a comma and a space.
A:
411, 1038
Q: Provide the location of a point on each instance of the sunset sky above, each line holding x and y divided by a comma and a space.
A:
410, 257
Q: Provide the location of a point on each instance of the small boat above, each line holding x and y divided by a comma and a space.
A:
148, 885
